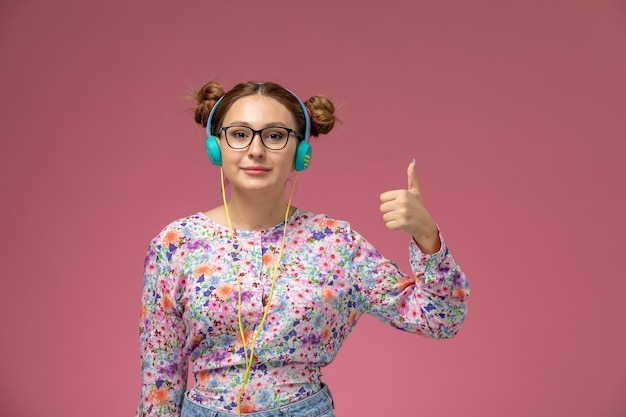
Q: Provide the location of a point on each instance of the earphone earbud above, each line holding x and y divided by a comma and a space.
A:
303, 156
213, 150
212, 143
302, 159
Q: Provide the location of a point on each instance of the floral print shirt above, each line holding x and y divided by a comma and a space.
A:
328, 276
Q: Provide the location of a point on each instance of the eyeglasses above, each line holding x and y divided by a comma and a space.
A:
272, 137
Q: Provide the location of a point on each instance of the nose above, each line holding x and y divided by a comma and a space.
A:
256, 148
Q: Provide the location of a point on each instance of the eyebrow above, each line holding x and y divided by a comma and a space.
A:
271, 124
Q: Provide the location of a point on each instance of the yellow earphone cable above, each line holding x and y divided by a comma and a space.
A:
250, 358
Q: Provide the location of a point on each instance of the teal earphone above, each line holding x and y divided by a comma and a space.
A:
303, 151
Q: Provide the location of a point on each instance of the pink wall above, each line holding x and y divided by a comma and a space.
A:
515, 112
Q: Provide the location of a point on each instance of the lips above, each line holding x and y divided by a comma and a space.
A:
255, 170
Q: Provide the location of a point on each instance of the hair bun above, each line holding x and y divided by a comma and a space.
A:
206, 98
321, 109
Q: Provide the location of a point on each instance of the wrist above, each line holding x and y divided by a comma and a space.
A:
429, 243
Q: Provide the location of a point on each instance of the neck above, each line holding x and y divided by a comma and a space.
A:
252, 212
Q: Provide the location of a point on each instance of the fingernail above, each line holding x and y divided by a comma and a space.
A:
414, 164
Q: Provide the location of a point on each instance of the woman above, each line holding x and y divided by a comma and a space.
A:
259, 295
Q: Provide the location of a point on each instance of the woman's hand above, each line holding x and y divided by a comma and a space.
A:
404, 210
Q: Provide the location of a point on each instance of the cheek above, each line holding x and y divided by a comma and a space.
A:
289, 156
228, 154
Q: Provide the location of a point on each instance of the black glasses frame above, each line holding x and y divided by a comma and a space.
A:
260, 133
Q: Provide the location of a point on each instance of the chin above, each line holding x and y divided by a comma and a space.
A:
258, 185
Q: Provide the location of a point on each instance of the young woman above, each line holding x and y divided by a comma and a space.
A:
259, 295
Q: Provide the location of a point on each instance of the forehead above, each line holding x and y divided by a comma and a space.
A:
258, 109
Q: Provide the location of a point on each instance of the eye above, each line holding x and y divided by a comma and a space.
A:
239, 133
276, 134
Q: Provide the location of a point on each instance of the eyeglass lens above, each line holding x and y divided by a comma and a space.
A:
239, 137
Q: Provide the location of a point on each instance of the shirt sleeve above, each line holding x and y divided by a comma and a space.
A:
164, 363
432, 301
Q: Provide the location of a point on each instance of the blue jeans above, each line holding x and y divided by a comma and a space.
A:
319, 404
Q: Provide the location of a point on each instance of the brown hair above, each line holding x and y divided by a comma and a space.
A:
321, 109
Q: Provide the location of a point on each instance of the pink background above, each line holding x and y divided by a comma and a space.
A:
515, 112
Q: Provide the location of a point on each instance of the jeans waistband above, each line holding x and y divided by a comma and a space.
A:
319, 403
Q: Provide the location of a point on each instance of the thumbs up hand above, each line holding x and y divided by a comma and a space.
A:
404, 210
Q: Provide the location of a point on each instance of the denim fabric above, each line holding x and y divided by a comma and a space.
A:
319, 404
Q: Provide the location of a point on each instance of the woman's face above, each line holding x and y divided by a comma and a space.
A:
257, 168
